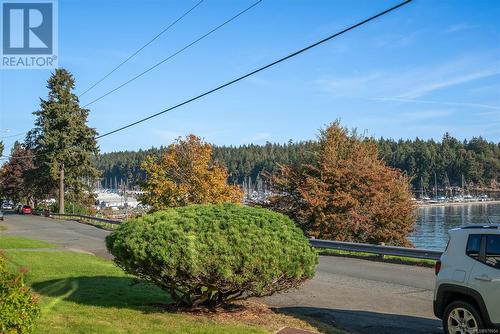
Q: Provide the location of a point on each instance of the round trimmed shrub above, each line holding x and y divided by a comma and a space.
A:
207, 255
18, 307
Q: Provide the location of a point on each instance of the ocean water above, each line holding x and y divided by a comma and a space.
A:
433, 223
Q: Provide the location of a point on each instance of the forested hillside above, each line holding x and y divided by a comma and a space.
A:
476, 162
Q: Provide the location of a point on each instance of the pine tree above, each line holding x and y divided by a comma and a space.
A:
63, 145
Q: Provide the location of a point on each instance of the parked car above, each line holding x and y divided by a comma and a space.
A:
6, 206
467, 291
26, 210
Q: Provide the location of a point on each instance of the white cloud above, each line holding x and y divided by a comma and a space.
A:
397, 40
167, 135
445, 103
414, 82
458, 27
424, 115
347, 86
259, 136
451, 80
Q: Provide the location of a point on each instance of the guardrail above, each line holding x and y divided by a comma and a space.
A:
416, 253
97, 219
79, 217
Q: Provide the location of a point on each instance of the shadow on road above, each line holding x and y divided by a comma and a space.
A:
105, 291
364, 322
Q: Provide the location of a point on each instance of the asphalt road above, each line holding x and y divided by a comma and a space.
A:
67, 234
358, 295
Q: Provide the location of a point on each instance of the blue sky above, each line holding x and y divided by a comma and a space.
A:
428, 68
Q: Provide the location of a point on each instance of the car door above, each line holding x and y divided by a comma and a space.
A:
485, 275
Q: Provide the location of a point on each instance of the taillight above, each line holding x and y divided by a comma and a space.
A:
437, 267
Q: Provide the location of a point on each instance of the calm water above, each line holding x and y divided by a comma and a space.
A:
433, 223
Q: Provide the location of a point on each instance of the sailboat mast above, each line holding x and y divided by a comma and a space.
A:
435, 186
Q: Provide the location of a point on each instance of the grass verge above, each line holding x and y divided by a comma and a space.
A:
12, 242
376, 257
81, 293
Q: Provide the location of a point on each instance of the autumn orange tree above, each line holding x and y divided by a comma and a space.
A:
186, 174
346, 193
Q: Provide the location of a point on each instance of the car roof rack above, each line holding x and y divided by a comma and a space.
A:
491, 226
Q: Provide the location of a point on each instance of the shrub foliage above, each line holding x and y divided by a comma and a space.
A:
18, 307
207, 255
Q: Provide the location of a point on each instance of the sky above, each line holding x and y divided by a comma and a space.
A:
425, 69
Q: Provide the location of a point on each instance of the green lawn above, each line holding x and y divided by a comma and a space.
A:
81, 293
376, 257
10, 242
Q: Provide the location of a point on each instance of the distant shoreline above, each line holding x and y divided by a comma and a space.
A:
429, 205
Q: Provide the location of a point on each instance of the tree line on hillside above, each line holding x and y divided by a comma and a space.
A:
473, 163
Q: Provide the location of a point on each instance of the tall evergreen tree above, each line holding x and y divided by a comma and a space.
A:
63, 145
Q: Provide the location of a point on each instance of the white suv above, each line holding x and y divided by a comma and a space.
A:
467, 293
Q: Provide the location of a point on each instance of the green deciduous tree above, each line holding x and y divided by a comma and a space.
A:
62, 143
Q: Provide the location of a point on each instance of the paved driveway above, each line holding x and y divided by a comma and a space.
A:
67, 234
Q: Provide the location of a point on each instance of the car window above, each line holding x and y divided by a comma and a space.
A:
493, 250
474, 246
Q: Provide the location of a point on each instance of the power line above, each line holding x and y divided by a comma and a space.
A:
14, 135
257, 70
248, 74
141, 48
174, 54
126, 60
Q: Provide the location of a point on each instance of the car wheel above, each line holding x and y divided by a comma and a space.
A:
462, 318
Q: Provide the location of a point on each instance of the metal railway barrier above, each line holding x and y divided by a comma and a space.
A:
316, 243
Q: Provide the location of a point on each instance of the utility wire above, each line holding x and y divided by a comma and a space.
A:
174, 54
247, 75
257, 70
14, 135
142, 48
126, 60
